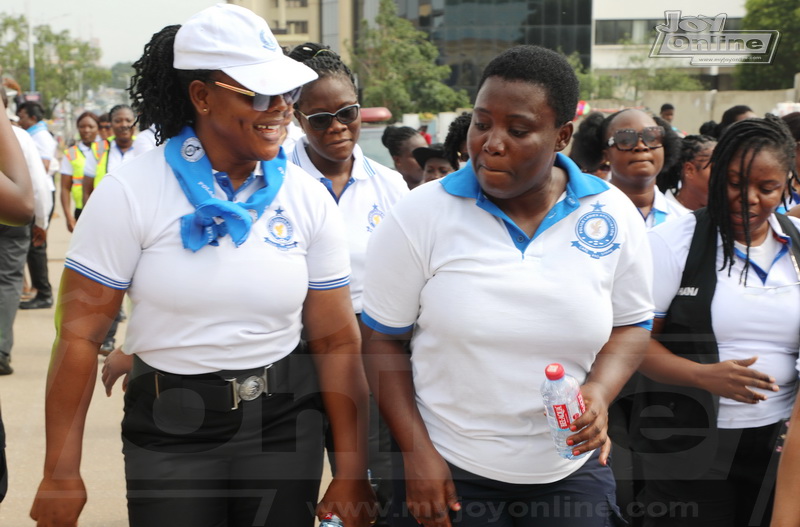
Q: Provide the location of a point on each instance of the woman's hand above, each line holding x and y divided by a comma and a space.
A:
352, 500
592, 426
430, 492
58, 503
116, 365
734, 378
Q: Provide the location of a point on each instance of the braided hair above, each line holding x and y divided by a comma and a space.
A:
323, 60
690, 147
456, 134
116, 108
746, 138
587, 143
395, 137
159, 91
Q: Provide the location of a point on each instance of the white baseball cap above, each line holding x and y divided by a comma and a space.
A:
233, 39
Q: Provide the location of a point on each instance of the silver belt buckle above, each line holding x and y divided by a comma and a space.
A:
250, 388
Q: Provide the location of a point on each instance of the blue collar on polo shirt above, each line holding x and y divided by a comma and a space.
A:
41, 126
463, 183
785, 247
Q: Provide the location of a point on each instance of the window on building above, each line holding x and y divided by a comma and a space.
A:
295, 27
296, 3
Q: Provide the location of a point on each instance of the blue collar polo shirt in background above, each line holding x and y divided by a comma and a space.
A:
491, 308
744, 317
372, 191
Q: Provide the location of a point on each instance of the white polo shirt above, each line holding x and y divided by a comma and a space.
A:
662, 210
677, 208
762, 319
372, 191
491, 308
115, 157
41, 183
223, 307
45, 142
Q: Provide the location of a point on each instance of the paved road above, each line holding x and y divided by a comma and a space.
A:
22, 399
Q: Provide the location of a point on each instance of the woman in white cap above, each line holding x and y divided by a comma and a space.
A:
226, 251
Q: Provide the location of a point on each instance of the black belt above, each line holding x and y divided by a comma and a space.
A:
220, 391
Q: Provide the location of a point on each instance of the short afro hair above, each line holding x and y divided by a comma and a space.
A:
543, 67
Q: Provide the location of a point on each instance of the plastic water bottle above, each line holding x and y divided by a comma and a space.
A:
331, 520
563, 402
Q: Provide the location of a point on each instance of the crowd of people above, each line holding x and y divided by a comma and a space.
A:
291, 296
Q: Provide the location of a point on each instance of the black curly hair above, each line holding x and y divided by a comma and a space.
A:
324, 61
159, 92
543, 67
691, 145
394, 137
587, 147
456, 134
746, 138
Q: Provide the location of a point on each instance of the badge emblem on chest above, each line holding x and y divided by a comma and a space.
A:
374, 217
280, 231
596, 231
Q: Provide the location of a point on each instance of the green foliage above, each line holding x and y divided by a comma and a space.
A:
121, 74
397, 68
64, 66
593, 86
784, 16
643, 76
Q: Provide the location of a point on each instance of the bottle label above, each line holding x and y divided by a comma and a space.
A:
565, 414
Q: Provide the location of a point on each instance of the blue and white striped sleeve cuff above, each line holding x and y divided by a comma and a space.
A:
94, 275
330, 284
660, 314
377, 326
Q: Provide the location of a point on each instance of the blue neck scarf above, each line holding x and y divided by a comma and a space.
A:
38, 127
213, 217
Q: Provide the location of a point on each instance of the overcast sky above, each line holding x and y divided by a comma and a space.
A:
121, 28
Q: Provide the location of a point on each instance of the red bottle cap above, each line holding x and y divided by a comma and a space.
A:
554, 371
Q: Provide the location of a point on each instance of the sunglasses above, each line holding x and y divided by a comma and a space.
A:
105, 127
323, 120
260, 101
627, 139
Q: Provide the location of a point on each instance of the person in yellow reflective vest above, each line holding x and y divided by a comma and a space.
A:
121, 147
73, 163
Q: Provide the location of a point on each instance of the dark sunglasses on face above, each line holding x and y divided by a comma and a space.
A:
323, 120
260, 101
627, 139
105, 127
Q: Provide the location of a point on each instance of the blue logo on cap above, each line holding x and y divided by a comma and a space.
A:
268, 40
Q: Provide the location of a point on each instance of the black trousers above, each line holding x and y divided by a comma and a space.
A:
187, 466
737, 491
37, 264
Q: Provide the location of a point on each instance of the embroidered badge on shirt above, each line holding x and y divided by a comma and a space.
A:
280, 231
192, 150
374, 218
596, 231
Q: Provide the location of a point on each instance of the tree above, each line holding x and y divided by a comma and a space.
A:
121, 74
781, 15
64, 67
593, 86
643, 76
397, 67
